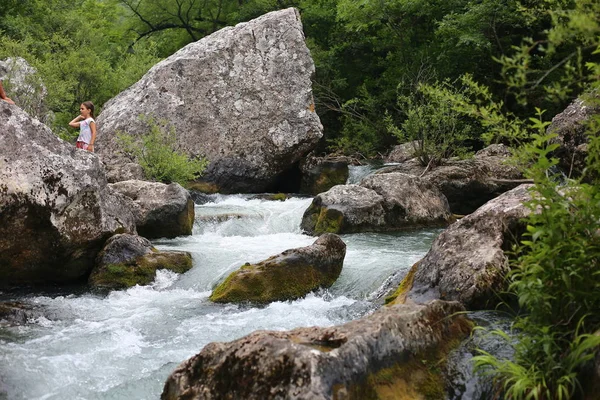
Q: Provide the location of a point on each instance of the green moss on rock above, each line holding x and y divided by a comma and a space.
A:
329, 220
140, 272
399, 296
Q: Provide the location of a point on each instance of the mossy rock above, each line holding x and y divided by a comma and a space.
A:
287, 276
141, 271
203, 187
320, 219
420, 376
399, 295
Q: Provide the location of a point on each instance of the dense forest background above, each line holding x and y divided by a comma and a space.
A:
371, 56
453, 74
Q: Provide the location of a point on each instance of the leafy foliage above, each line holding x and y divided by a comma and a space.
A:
156, 151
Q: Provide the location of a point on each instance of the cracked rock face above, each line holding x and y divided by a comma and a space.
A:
242, 97
56, 209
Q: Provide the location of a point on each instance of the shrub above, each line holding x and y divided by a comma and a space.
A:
156, 151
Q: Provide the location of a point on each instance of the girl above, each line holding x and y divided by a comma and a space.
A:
87, 126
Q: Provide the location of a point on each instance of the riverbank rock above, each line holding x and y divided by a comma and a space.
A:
397, 349
467, 262
129, 260
56, 209
241, 97
382, 202
319, 174
160, 210
470, 183
402, 152
287, 276
570, 128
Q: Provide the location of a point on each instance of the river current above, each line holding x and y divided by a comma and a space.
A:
124, 344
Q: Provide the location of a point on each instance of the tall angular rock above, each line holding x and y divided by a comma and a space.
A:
241, 97
56, 209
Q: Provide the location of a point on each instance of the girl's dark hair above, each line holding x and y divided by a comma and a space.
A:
90, 106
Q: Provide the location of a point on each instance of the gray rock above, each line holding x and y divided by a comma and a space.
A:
409, 201
287, 276
56, 209
327, 363
344, 209
160, 210
570, 126
470, 183
16, 313
402, 152
319, 174
24, 86
467, 262
382, 202
241, 97
129, 260
124, 172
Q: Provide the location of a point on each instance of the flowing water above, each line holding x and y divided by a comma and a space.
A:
124, 344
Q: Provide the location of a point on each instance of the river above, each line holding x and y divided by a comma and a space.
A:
124, 344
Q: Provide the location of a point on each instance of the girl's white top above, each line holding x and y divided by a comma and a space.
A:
85, 132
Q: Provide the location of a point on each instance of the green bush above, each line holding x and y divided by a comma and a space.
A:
156, 151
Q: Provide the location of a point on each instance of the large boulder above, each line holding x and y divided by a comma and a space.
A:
129, 260
469, 183
570, 128
397, 350
241, 97
287, 276
160, 210
25, 87
56, 209
382, 202
467, 262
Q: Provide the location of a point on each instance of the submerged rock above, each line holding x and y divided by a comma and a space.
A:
16, 313
160, 210
400, 348
384, 202
56, 209
287, 276
241, 97
129, 260
467, 262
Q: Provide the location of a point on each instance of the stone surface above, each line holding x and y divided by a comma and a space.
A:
319, 174
242, 97
467, 262
124, 172
129, 260
287, 276
382, 202
160, 210
23, 85
569, 125
56, 209
402, 152
362, 359
470, 183
409, 201
15, 313
344, 209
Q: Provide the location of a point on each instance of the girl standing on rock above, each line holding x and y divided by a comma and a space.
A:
87, 126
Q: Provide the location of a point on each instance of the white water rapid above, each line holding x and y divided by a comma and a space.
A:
124, 344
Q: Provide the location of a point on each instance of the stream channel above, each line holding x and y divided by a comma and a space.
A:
124, 344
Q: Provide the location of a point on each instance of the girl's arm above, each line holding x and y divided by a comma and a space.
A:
75, 123
91, 144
